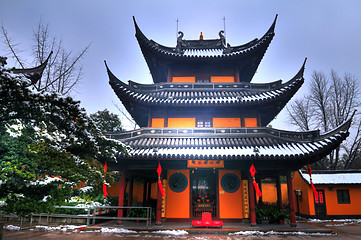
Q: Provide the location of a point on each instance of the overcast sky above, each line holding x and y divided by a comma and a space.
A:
327, 32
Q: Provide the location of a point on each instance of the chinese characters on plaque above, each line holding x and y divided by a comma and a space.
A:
245, 198
205, 163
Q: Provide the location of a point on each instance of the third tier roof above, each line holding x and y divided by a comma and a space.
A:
212, 53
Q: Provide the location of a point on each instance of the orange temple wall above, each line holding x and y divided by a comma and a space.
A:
230, 204
177, 204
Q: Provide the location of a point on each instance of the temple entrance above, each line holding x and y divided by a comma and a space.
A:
203, 194
320, 204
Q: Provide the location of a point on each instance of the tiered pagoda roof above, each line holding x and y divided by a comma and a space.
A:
189, 53
271, 97
269, 149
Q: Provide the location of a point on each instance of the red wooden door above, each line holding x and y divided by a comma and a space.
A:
320, 204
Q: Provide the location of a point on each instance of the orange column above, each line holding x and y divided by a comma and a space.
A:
121, 194
252, 203
291, 200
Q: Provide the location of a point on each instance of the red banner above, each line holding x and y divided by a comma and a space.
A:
315, 194
159, 171
258, 191
105, 189
161, 187
253, 172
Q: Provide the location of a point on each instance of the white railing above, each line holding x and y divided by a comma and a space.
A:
93, 213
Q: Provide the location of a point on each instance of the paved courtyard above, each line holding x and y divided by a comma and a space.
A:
230, 231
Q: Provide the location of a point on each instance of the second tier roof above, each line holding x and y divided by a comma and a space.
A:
201, 94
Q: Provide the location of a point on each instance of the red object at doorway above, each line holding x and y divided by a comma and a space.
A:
206, 221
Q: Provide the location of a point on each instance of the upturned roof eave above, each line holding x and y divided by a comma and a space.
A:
128, 92
283, 150
151, 46
34, 73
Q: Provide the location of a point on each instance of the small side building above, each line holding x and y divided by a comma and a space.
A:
339, 194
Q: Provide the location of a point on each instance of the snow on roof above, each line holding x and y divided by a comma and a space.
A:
203, 52
333, 178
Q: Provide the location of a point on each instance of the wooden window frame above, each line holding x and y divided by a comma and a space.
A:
203, 120
343, 196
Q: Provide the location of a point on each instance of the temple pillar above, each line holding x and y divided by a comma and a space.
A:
145, 185
236, 74
150, 118
169, 75
130, 194
279, 193
121, 193
149, 190
252, 202
158, 216
291, 200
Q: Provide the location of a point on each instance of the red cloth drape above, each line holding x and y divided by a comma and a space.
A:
309, 171
258, 191
105, 189
253, 172
159, 171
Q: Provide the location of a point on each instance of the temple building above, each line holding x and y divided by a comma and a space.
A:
339, 192
205, 124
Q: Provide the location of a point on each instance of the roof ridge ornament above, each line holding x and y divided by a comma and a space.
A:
180, 42
222, 37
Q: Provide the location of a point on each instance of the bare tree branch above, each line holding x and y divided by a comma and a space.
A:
330, 102
63, 71
300, 114
130, 120
11, 45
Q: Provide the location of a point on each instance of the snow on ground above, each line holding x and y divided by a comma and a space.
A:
171, 232
280, 233
12, 227
336, 222
59, 228
116, 230
179, 232
65, 228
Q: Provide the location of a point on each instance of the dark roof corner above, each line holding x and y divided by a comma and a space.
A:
302, 70
299, 74
138, 32
135, 25
108, 70
111, 76
344, 127
33, 74
353, 114
105, 62
272, 28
